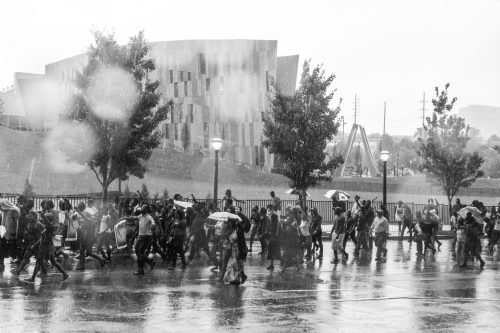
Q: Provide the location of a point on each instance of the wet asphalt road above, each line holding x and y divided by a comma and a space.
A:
402, 294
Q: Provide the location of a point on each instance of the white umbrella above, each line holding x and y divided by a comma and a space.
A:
224, 216
294, 191
183, 204
338, 195
476, 213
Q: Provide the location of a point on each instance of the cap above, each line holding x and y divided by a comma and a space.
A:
356, 197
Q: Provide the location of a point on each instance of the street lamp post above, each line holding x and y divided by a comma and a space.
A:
216, 145
384, 156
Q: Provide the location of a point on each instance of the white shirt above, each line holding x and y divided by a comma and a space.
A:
145, 224
304, 227
400, 211
104, 225
497, 225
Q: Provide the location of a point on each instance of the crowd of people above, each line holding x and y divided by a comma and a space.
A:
290, 236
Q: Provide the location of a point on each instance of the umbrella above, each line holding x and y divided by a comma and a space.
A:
337, 195
294, 191
476, 213
224, 216
183, 204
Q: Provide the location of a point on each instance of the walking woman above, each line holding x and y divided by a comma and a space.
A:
316, 232
473, 231
234, 272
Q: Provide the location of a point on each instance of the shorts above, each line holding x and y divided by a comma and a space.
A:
337, 243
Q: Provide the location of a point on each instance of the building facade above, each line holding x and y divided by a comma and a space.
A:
220, 88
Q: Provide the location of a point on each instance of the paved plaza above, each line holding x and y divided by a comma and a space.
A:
405, 293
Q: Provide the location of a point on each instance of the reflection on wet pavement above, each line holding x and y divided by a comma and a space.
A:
405, 293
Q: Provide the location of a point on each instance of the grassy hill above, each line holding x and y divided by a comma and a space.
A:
22, 156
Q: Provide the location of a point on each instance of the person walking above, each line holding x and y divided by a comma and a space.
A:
380, 228
86, 233
418, 234
144, 240
276, 202
337, 235
350, 229
473, 231
176, 240
316, 232
272, 236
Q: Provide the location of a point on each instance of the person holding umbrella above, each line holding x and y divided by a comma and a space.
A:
473, 231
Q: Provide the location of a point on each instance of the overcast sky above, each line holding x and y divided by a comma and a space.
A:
382, 50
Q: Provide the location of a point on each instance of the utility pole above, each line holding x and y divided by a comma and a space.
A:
423, 115
384, 117
343, 128
356, 108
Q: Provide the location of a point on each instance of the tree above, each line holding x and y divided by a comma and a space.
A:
445, 159
122, 144
491, 165
165, 194
156, 196
185, 137
298, 128
144, 191
386, 143
28, 188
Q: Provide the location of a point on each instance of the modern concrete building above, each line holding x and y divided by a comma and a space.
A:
219, 88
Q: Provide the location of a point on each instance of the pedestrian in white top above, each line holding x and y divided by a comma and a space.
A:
380, 228
144, 240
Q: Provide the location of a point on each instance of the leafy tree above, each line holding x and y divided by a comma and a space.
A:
126, 193
156, 196
445, 159
386, 143
491, 165
493, 140
298, 128
185, 137
28, 188
144, 191
165, 194
122, 145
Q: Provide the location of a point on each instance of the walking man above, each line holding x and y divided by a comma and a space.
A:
337, 234
144, 240
380, 228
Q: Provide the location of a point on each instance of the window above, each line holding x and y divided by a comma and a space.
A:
203, 65
176, 136
167, 131
181, 113
171, 76
190, 113
171, 115
205, 135
207, 86
189, 76
185, 88
176, 90
181, 76
267, 81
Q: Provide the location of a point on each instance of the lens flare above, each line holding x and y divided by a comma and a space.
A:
69, 146
112, 93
